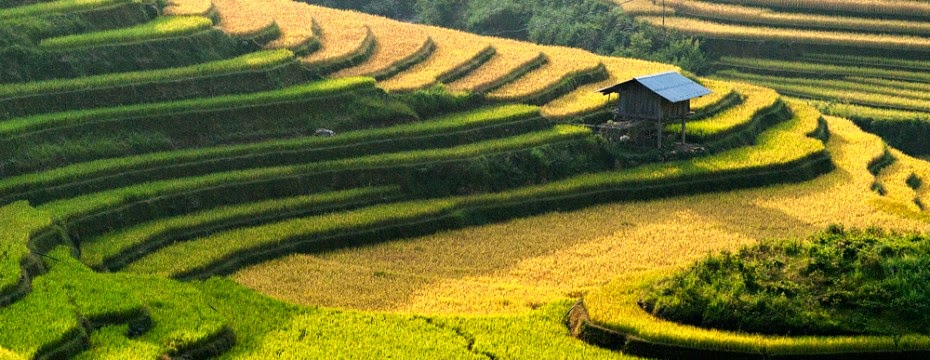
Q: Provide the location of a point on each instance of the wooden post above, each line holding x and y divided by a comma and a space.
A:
659, 133
659, 124
682, 130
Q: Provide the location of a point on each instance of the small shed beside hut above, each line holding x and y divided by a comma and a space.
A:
653, 100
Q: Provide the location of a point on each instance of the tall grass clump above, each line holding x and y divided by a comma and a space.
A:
836, 283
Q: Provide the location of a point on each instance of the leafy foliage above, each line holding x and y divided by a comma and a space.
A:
838, 282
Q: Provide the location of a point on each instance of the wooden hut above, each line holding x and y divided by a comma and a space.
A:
649, 102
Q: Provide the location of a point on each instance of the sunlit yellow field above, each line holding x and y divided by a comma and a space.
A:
586, 99
454, 49
766, 16
396, 42
563, 63
718, 30
510, 56
243, 18
341, 36
514, 266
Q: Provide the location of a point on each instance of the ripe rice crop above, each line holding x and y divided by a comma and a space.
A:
455, 51
160, 28
871, 8
511, 59
187, 256
756, 99
99, 251
856, 60
341, 37
876, 86
764, 16
399, 46
821, 70
720, 91
848, 93
740, 32
585, 99
251, 61
91, 203
865, 113
387, 336
894, 186
294, 19
243, 18
59, 6
572, 252
643, 7
569, 252
563, 64
884, 84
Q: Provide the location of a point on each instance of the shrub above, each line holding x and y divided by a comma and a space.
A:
836, 283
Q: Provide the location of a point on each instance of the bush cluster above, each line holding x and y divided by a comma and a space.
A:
839, 282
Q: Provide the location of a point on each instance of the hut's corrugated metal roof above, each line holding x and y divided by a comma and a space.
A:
671, 86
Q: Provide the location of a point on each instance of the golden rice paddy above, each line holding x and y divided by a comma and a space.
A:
726, 31
563, 63
454, 50
341, 35
510, 57
397, 43
517, 265
586, 99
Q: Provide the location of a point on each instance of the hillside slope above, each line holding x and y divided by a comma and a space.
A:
862, 60
128, 199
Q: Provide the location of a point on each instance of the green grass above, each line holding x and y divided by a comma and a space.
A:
840, 91
17, 224
106, 250
58, 6
882, 62
538, 335
38, 123
267, 328
50, 313
450, 129
873, 86
821, 70
186, 257
780, 146
160, 28
864, 113
905, 130
29, 30
249, 62
316, 336
89, 204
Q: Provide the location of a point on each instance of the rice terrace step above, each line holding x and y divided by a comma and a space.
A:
244, 179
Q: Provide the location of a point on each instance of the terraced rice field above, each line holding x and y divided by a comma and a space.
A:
846, 54
189, 211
